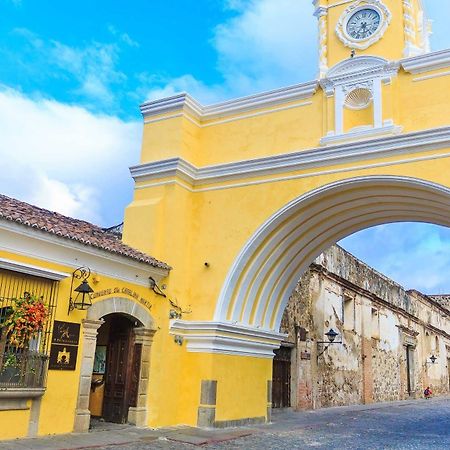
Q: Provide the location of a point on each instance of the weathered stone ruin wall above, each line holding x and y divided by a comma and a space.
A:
386, 375
376, 319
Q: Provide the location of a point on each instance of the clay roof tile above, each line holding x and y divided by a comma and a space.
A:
66, 227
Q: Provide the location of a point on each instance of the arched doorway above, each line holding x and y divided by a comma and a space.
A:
115, 374
128, 330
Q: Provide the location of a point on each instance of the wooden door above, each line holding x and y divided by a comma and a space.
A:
118, 371
281, 378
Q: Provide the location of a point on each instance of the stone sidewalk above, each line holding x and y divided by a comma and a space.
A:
106, 435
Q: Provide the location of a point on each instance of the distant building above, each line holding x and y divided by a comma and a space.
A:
389, 337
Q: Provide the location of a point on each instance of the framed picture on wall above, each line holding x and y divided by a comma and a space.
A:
100, 359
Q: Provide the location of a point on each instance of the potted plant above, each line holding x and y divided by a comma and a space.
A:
24, 321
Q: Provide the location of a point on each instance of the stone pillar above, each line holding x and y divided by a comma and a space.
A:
206, 417
82, 413
137, 415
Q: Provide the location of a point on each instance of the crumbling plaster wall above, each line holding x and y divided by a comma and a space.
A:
371, 313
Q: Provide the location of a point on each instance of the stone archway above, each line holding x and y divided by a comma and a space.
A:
143, 336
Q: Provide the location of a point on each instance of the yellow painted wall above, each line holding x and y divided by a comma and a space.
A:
187, 226
58, 404
391, 46
14, 424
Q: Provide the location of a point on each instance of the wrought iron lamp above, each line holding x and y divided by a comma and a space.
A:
82, 299
331, 336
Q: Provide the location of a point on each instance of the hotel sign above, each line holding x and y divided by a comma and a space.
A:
64, 347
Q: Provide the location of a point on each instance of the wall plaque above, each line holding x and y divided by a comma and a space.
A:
67, 333
63, 357
64, 348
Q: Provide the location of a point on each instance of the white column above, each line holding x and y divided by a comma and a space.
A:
339, 98
377, 104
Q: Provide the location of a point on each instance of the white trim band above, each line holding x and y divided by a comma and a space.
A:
427, 62
29, 269
227, 338
344, 153
183, 101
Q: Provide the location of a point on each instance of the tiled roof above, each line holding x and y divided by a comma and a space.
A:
74, 229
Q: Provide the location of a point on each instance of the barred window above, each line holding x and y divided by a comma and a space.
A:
25, 367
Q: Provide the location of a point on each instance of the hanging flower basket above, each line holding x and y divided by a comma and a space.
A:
25, 320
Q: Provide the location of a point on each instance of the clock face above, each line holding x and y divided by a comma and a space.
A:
363, 23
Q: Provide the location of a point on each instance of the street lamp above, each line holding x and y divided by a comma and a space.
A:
331, 336
82, 299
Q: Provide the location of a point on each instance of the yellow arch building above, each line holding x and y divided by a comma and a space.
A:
240, 197
237, 199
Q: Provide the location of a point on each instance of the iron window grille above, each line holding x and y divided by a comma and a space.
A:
25, 367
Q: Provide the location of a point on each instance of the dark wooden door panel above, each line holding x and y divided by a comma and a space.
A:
117, 377
281, 378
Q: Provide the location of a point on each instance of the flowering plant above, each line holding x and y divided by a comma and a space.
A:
26, 320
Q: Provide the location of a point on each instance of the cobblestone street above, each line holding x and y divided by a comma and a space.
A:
417, 424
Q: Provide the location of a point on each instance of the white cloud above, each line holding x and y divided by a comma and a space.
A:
124, 37
64, 157
186, 83
93, 66
268, 44
415, 255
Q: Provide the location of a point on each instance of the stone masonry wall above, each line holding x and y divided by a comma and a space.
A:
372, 314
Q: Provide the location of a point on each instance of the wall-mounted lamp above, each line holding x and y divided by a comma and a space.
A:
155, 288
331, 336
433, 360
82, 299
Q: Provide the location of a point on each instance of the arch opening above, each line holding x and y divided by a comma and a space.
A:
267, 270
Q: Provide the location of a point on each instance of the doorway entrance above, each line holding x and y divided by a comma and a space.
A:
115, 378
281, 379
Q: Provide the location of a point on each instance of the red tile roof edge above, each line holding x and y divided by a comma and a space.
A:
86, 233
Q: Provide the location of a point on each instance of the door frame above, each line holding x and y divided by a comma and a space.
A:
143, 335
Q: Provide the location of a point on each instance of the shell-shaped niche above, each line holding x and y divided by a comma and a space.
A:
359, 98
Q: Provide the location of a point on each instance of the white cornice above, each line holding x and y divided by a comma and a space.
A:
357, 70
29, 269
382, 147
186, 103
427, 62
36, 244
361, 134
227, 338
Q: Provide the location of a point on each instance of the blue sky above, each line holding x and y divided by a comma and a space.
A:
73, 75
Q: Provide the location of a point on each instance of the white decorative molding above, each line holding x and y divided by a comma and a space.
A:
322, 16
361, 133
367, 72
427, 63
409, 26
430, 77
341, 26
29, 269
339, 153
227, 338
266, 271
42, 246
186, 103
359, 69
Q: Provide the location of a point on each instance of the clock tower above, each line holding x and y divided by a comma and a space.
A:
391, 29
